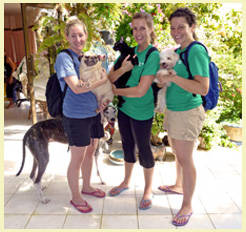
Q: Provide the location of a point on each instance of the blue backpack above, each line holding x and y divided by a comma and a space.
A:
211, 99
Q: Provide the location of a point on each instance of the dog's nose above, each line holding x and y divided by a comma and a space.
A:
112, 119
163, 64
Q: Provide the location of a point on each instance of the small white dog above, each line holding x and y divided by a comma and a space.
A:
90, 71
168, 59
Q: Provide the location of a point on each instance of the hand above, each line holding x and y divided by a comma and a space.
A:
11, 80
127, 64
103, 105
104, 76
114, 89
164, 77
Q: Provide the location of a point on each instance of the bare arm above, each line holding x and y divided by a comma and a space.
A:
137, 91
199, 85
11, 63
125, 67
77, 86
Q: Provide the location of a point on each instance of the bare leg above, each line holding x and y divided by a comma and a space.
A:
184, 151
86, 168
148, 176
126, 181
77, 156
177, 187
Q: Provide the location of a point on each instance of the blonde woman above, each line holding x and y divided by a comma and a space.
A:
80, 120
135, 116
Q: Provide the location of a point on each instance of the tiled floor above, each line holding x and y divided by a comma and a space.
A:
217, 199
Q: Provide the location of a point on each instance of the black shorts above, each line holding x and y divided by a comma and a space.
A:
80, 131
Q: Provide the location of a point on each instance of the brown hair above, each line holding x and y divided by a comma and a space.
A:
149, 21
187, 14
72, 21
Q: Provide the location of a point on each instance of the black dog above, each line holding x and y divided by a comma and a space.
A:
125, 50
37, 139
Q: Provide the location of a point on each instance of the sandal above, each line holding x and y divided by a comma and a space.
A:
97, 193
79, 207
179, 216
116, 191
145, 204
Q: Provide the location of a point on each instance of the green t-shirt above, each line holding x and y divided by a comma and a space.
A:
142, 108
177, 98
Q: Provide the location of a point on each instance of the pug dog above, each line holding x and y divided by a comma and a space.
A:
90, 71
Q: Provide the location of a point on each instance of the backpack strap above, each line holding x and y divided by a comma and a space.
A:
146, 57
185, 54
184, 57
65, 88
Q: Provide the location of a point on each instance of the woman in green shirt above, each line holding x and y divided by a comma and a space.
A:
185, 114
135, 116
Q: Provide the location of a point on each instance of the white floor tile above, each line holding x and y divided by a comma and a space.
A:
218, 203
58, 205
7, 197
46, 222
227, 221
119, 205
15, 221
119, 222
21, 204
218, 189
82, 221
155, 222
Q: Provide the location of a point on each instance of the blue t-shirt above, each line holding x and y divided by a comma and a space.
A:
81, 105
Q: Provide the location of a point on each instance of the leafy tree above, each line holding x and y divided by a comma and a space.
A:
221, 33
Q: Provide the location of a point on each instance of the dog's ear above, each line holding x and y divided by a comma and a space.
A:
80, 57
101, 57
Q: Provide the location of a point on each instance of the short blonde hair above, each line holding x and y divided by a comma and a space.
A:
72, 21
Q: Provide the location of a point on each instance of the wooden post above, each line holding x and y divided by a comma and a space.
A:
28, 63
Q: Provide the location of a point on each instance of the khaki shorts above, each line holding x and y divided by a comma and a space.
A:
184, 125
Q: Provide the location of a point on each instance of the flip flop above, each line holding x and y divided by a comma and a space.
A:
187, 216
78, 207
166, 189
97, 193
145, 204
116, 191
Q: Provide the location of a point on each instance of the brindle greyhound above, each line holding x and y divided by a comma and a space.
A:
37, 139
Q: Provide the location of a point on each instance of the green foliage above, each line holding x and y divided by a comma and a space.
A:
213, 133
221, 33
157, 125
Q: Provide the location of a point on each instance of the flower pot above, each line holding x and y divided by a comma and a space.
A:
234, 132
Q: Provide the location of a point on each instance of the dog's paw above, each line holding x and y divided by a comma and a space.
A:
158, 110
172, 72
45, 200
162, 72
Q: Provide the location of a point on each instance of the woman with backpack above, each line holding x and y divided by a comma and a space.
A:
81, 122
135, 116
185, 114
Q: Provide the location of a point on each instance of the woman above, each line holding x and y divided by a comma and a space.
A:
136, 114
185, 114
11, 82
81, 122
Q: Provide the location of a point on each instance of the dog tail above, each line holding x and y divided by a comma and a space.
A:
24, 154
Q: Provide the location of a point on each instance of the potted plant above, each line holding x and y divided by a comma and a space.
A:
231, 104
